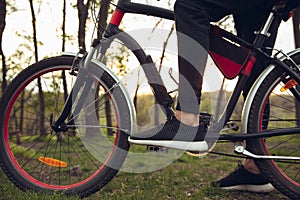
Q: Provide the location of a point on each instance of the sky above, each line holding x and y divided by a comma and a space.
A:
49, 22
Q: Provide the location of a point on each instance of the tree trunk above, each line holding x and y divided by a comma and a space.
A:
103, 14
82, 16
296, 26
2, 26
41, 94
63, 27
102, 23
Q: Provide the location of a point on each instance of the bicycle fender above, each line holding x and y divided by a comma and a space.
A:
250, 97
123, 88
116, 79
255, 87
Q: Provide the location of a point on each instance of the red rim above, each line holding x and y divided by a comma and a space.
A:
13, 159
266, 148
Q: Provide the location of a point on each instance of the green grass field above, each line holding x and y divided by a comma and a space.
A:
186, 178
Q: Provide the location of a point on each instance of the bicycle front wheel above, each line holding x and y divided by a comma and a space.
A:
276, 105
80, 160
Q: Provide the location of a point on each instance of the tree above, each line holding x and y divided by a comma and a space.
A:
63, 27
102, 18
2, 26
82, 16
41, 94
102, 22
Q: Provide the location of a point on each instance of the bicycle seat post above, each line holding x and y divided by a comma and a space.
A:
263, 33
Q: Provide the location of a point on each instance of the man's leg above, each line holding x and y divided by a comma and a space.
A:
247, 176
192, 24
183, 131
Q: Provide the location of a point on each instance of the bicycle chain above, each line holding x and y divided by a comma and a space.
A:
226, 154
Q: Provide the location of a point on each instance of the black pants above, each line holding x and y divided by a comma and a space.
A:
192, 24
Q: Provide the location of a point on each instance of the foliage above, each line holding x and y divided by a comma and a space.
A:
186, 178
11, 6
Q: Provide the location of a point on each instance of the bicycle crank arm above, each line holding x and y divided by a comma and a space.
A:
243, 151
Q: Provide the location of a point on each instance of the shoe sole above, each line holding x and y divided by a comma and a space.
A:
251, 188
200, 154
179, 145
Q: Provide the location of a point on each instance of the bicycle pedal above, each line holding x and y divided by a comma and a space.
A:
157, 149
230, 126
205, 118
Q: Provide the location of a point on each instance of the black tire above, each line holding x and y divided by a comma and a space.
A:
273, 109
87, 157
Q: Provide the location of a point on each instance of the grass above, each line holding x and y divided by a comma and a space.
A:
186, 178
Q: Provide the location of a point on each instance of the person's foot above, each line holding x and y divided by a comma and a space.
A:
243, 180
173, 134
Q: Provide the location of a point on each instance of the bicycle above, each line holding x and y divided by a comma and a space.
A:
46, 144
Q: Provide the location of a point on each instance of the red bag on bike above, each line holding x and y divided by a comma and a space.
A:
227, 55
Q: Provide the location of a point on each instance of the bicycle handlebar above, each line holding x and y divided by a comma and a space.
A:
137, 8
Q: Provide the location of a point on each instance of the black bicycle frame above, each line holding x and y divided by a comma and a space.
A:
156, 83
126, 6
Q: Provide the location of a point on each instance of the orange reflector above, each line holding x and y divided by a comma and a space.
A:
291, 83
52, 162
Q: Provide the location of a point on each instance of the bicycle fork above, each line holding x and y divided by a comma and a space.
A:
82, 86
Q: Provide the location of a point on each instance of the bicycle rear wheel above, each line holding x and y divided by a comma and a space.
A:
80, 160
276, 105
